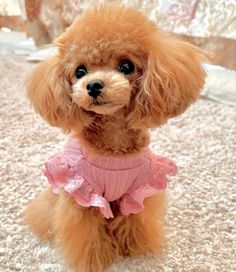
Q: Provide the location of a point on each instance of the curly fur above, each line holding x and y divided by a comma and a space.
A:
167, 79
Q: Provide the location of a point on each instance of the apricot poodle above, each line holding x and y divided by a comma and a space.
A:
116, 75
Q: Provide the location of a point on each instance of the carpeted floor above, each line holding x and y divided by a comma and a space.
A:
201, 216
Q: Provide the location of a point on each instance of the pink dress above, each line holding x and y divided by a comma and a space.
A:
97, 180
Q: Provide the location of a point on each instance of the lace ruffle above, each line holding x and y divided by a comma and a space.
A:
133, 202
62, 173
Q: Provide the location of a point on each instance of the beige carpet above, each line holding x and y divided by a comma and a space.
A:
201, 218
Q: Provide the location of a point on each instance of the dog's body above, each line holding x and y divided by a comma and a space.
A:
115, 76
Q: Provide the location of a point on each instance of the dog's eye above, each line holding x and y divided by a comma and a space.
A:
80, 71
126, 67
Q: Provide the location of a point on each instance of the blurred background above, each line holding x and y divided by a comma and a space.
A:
210, 24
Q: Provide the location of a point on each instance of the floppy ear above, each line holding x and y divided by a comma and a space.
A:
48, 92
172, 79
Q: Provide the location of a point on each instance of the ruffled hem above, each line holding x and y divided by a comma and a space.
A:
62, 174
133, 202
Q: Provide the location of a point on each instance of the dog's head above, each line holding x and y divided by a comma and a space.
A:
113, 60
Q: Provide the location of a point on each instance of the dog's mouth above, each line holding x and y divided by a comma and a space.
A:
98, 105
103, 107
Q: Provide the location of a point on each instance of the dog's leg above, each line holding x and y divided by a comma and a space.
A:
39, 214
82, 238
141, 233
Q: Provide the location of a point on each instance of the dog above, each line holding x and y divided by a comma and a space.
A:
115, 76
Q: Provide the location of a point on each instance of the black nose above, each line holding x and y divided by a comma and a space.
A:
95, 87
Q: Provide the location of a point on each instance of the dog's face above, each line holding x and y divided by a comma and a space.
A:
106, 87
104, 64
113, 60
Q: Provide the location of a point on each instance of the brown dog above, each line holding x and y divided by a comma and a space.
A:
115, 76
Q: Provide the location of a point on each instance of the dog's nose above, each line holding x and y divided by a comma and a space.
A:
95, 87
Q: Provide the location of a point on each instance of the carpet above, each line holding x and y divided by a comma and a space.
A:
201, 217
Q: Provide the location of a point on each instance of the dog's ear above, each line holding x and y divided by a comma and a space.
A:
172, 79
48, 91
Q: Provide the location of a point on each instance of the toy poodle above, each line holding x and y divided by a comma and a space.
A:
116, 75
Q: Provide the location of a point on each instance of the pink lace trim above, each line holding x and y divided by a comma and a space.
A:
62, 173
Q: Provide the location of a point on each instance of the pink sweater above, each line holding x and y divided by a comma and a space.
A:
97, 180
